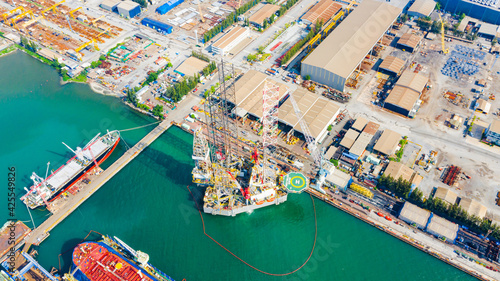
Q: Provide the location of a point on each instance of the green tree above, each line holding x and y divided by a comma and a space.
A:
307, 77
132, 97
158, 111
494, 41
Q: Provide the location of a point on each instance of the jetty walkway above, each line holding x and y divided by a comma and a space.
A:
41, 232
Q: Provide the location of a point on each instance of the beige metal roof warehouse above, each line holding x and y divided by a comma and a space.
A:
359, 124
495, 126
402, 97
263, 13
446, 195
442, 228
412, 80
318, 112
248, 92
397, 170
412, 214
388, 142
349, 138
473, 207
230, 40
409, 40
333, 61
421, 8
322, 11
392, 64
364, 138
191, 66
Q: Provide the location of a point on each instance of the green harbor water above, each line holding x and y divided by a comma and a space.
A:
148, 205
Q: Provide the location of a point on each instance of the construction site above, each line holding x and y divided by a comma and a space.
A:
54, 25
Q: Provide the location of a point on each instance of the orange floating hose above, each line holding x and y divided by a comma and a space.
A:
253, 267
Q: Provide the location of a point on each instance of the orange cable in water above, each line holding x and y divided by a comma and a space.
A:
253, 267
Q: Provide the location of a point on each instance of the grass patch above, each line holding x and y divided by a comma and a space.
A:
8, 50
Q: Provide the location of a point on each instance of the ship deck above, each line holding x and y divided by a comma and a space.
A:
98, 263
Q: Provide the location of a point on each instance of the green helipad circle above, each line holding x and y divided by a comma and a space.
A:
295, 182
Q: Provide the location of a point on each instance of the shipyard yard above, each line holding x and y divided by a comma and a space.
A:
387, 115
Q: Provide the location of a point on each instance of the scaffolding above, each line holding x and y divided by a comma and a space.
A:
269, 130
223, 132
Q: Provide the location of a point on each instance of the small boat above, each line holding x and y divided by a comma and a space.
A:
388, 218
380, 214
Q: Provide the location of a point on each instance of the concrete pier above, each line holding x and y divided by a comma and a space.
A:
42, 231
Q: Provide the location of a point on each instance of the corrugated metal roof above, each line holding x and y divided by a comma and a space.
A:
371, 128
127, 5
191, 66
110, 3
348, 44
249, 89
388, 142
495, 126
473, 207
488, 29
317, 111
359, 124
392, 64
412, 80
230, 37
409, 39
424, 7
402, 97
397, 170
263, 13
412, 213
360, 144
349, 138
443, 228
446, 195
323, 10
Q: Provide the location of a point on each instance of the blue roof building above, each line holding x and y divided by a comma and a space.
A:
165, 8
157, 25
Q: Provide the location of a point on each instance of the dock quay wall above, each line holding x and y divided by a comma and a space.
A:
413, 243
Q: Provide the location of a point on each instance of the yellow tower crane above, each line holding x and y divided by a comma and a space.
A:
11, 12
444, 50
99, 35
73, 11
53, 7
201, 14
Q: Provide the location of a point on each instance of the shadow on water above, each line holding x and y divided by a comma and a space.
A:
164, 165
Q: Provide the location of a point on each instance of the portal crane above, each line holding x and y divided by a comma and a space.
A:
11, 12
92, 22
14, 20
443, 49
73, 11
53, 7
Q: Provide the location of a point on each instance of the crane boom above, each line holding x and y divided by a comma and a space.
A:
201, 14
445, 51
307, 133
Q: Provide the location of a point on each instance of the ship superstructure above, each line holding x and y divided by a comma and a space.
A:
235, 184
46, 189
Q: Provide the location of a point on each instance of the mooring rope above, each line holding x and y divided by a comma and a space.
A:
253, 267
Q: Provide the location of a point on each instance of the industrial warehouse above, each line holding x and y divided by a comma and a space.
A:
317, 112
229, 40
336, 58
404, 97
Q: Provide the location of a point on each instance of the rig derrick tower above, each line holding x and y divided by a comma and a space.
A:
222, 132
